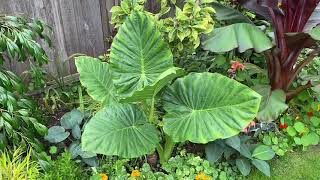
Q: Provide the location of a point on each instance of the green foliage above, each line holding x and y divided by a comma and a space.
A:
17, 38
140, 69
129, 133
189, 166
64, 168
241, 35
194, 108
19, 116
182, 31
280, 143
95, 76
17, 166
237, 150
18, 42
60, 135
182, 166
273, 103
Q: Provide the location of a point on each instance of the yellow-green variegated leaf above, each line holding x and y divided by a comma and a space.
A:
122, 130
138, 57
203, 107
96, 77
241, 35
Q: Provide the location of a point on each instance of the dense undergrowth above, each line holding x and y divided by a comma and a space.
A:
199, 90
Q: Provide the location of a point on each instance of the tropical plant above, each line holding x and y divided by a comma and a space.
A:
141, 66
244, 156
295, 28
16, 166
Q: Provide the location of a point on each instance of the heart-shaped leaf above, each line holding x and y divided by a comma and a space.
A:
241, 35
121, 130
96, 77
202, 107
138, 57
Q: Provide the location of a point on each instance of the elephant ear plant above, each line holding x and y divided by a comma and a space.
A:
295, 28
200, 107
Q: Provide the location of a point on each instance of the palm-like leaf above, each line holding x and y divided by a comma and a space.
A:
203, 107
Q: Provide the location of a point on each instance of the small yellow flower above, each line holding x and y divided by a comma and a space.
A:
202, 176
135, 173
280, 5
104, 176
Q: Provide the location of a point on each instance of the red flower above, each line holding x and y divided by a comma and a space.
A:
283, 126
237, 66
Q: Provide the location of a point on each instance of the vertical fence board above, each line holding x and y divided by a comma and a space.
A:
79, 26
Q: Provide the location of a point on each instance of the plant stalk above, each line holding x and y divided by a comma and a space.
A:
166, 151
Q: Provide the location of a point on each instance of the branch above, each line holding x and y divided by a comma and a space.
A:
306, 61
290, 95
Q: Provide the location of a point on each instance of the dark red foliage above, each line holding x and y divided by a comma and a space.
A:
290, 19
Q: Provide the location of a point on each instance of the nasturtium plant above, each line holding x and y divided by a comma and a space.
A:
200, 107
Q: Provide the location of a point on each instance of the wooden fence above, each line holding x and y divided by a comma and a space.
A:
79, 26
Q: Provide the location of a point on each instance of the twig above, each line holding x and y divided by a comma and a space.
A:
298, 90
306, 61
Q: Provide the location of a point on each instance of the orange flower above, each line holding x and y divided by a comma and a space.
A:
202, 176
135, 173
237, 66
104, 176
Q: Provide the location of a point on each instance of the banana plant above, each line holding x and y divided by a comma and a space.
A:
199, 107
295, 24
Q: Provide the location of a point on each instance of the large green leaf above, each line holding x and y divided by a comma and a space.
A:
138, 57
231, 15
241, 35
96, 77
153, 89
120, 129
263, 152
272, 105
203, 107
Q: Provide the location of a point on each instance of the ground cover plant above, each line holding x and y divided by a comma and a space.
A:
196, 90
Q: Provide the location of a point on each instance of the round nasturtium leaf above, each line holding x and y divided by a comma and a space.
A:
138, 56
122, 130
203, 107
